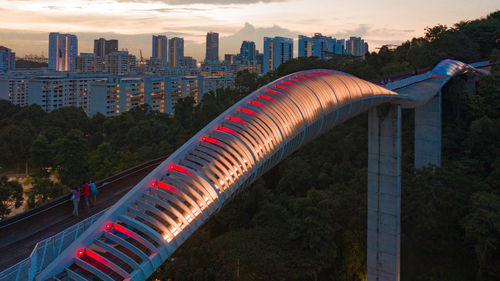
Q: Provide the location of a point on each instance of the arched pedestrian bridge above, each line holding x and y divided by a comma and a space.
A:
136, 235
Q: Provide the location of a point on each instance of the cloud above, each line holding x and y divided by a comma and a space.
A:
365, 30
212, 2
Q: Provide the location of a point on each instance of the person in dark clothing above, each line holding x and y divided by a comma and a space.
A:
86, 195
93, 193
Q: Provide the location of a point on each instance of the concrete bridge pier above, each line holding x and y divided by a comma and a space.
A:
428, 133
384, 193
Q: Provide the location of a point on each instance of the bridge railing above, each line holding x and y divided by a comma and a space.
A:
46, 251
407, 81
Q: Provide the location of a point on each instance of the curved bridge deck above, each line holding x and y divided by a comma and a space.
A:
133, 237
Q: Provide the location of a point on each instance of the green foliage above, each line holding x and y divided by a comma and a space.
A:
482, 227
11, 196
44, 190
72, 159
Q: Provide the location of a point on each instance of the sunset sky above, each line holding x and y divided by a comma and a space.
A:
25, 24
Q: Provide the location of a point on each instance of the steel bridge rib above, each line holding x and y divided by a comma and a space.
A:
137, 234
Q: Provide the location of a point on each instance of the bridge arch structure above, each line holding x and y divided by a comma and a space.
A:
136, 235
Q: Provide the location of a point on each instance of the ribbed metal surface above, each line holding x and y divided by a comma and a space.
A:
449, 68
144, 228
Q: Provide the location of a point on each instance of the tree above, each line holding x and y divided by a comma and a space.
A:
72, 159
184, 112
41, 154
11, 196
246, 82
67, 119
7, 109
44, 190
15, 142
436, 32
482, 227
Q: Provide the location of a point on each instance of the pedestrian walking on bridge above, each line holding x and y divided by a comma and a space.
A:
75, 197
93, 193
86, 195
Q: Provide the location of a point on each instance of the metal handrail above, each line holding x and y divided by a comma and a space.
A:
41, 255
66, 198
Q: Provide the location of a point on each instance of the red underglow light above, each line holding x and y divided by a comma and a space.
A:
124, 230
97, 257
180, 169
227, 130
296, 80
235, 119
81, 252
305, 78
310, 75
434, 75
289, 83
108, 226
256, 103
166, 186
281, 87
265, 97
210, 140
247, 111
273, 91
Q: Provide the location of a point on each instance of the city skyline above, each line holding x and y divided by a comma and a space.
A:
27, 23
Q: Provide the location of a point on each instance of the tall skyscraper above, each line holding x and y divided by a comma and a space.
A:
277, 50
7, 59
340, 47
212, 53
175, 51
160, 48
248, 53
111, 46
356, 46
63, 50
102, 47
319, 46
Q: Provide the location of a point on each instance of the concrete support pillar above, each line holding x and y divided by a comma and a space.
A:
384, 193
428, 133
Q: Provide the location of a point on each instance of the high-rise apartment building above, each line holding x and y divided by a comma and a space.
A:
277, 50
160, 48
320, 46
212, 50
63, 50
175, 51
7, 59
356, 46
340, 47
15, 90
102, 47
248, 52
53, 92
116, 96
120, 63
89, 62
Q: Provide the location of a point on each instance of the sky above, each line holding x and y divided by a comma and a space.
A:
25, 24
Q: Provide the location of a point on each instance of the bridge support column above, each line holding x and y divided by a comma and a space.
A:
428, 133
384, 193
